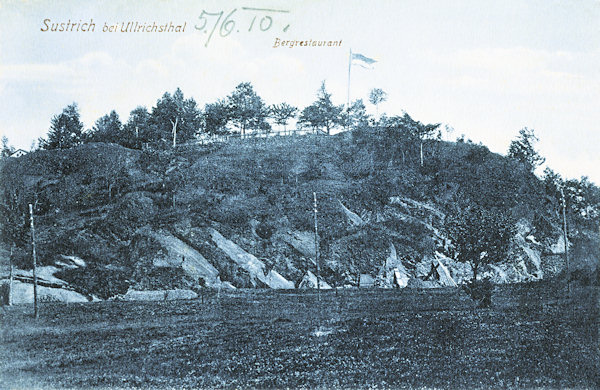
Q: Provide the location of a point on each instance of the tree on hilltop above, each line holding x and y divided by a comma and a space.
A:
65, 130
322, 114
421, 131
137, 130
357, 116
175, 118
107, 129
376, 97
7, 149
216, 117
282, 113
248, 110
523, 150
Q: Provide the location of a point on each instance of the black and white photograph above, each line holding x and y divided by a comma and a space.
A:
299, 194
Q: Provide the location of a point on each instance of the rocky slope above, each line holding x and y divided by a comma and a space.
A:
239, 215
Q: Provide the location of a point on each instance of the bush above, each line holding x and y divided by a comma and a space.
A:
102, 282
265, 230
585, 277
4, 290
480, 291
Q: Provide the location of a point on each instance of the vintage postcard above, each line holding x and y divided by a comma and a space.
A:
299, 194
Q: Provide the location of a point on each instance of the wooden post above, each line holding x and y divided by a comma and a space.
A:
317, 249
35, 303
11, 276
348, 96
564, 213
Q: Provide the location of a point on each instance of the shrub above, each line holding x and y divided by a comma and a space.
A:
265, 230
102, 282
4, 289
480, 291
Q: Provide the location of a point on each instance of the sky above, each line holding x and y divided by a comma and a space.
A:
485, 68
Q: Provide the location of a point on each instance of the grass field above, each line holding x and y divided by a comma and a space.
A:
531, 337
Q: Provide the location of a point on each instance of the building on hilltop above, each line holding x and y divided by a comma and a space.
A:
18, 153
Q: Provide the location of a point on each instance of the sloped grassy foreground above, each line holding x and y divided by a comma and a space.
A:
533, 336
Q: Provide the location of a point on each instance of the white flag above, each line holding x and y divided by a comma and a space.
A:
360, 60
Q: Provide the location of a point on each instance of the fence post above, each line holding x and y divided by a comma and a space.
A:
35, 303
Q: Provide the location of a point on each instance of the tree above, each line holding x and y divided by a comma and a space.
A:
107, 129
583, 202
322, 113
421, 131
479, 236
175, 118
13, 230
7, 149
376, 97
248, 111
357, 115
310, 117
14, 222
216, 117
522, 149
553, 182
282, 113
13, 214
65, 129
137, 129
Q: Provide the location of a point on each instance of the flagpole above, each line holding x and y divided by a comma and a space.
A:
348, 97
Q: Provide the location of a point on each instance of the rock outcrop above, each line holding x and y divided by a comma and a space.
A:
310, 281
250, 263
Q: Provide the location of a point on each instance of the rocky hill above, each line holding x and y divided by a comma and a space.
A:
240, 214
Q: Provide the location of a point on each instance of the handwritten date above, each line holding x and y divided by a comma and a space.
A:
262, 20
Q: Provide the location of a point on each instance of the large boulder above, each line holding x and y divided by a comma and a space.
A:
160, 250
50, 288
303, 242
394, 273
23, 293
310, 281
250, 263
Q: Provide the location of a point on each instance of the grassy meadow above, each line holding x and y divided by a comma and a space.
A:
533, 336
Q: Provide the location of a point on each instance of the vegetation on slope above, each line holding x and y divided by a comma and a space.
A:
92, 200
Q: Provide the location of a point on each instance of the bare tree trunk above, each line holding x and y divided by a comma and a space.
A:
175, 132
421, 153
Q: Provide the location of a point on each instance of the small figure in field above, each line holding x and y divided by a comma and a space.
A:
433, 273
202, 285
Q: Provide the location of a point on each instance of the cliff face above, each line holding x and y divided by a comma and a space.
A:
241, 214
